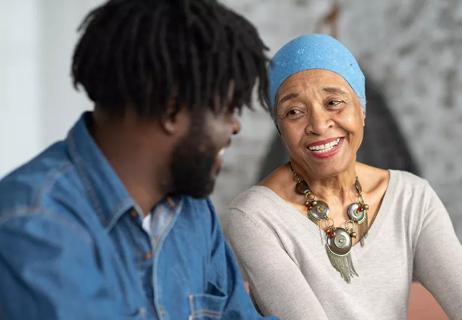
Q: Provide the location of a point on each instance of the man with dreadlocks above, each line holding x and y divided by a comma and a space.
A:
113, 222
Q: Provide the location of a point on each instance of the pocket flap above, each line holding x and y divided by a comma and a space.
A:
208, 304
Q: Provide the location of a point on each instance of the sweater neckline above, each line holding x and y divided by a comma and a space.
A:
374, 229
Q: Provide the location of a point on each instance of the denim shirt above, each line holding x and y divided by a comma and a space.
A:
72, 246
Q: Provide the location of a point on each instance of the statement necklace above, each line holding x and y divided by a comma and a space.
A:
338, 241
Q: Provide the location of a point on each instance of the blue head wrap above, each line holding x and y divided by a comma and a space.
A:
315, 51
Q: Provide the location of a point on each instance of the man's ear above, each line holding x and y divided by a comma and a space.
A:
175, 119
364, 116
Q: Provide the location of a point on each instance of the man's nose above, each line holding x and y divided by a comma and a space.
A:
235, 125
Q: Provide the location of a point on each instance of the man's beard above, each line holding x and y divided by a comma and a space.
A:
192, 162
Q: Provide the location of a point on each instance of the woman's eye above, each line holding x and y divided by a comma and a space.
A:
334, 103
294, 113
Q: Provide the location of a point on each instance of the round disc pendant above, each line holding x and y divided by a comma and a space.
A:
354, 214
319, 210
340, 243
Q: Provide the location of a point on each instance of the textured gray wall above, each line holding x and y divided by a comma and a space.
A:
411, 49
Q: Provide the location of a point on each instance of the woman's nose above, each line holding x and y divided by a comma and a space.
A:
319, 121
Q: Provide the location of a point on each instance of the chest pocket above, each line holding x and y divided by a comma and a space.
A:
207, 306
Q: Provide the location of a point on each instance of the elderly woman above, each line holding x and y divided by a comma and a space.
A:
327, 237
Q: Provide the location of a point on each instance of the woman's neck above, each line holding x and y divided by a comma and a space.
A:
339, 187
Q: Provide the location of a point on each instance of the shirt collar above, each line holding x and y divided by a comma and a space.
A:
106, 191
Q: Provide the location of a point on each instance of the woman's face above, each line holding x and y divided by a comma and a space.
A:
321, 122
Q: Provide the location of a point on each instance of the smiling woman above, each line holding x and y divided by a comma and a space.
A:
325, 236
322, 103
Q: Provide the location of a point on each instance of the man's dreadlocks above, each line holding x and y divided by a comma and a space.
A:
146, 54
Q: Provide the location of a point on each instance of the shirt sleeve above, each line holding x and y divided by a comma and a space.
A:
276, 283
48, 270
225, 274
438, 256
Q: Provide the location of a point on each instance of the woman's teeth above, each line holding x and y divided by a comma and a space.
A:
325, 147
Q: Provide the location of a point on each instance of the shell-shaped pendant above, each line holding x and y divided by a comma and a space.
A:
317, 210
356, 212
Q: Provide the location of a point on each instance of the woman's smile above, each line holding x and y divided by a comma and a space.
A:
325, 148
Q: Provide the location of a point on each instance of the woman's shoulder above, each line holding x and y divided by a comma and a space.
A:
255, 198
389, 177
408, 178
409, 183
254, 206
395, 190
264, 195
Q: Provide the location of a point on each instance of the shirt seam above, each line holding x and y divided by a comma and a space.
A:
31, 212
85, 180
50, 180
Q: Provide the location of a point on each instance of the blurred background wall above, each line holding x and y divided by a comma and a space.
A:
37, 101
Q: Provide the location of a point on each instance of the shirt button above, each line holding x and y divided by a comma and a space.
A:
147, 255
133, 214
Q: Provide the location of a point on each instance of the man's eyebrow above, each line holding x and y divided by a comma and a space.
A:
288, 97
335, 90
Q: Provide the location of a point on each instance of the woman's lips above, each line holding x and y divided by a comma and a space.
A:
325, 148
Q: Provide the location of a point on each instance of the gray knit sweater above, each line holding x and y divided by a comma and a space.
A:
290, 276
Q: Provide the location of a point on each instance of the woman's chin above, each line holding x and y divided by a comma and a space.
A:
333, 167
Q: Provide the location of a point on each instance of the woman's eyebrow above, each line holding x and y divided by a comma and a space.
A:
335, 90
288, 97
